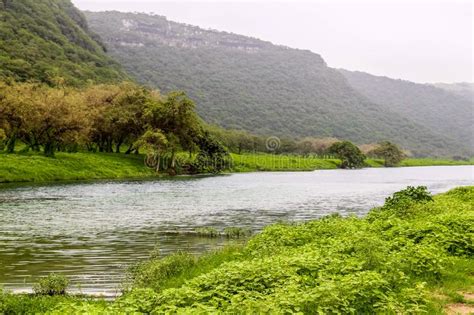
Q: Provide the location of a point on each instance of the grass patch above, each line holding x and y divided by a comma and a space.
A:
250, 162
70, 166
271, 162
40, 304
433, 162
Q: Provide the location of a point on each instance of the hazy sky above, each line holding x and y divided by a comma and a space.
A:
417, 40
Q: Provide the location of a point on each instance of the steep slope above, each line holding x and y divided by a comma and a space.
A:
447, 110
42, 40
242, 82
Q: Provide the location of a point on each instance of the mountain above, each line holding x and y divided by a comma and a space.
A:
445, 109
42, 40
243, 82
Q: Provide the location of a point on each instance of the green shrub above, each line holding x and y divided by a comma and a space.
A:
405, 196
207, 232
237, 232
153, 273
53, 284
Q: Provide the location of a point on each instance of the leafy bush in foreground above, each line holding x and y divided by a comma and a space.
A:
53, 284
410, 194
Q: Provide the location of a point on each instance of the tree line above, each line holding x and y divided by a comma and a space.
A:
105, 118
128, 118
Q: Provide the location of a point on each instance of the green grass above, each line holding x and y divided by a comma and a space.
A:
39, 304
87, 166
250, 162
413, 255
432, 162
70, 166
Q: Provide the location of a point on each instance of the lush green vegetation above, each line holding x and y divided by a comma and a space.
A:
49, 41
244, 83
53, 284
413, 255
349, 154
391, 154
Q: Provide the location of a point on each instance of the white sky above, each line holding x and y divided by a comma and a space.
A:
417, 40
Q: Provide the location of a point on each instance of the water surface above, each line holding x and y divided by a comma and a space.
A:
92, 231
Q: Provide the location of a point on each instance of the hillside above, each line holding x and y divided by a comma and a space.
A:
43, 40
242, 82
444, 108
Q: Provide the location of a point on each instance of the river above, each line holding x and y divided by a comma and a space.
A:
91, 231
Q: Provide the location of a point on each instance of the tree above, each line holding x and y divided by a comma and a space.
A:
349, 154
390, 152
120, 114
212, 156
16, 110
39, 115
62, 117
155, 143
176, 117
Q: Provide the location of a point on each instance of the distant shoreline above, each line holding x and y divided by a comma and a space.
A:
72, 167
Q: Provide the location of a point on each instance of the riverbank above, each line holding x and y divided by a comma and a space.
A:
413, 255
270, 162
91, 166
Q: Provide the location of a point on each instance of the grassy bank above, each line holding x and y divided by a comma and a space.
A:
86, 166
413, 255
268, 162
70, 166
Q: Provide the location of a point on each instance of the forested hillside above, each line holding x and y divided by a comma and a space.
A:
242, 82
444, 108
49, 40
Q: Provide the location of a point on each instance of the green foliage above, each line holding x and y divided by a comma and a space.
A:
153, 273
237, 232
212, 156
53, 284
49, 41
411, 194
388, 151
11, 304
349, 154
207, 231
